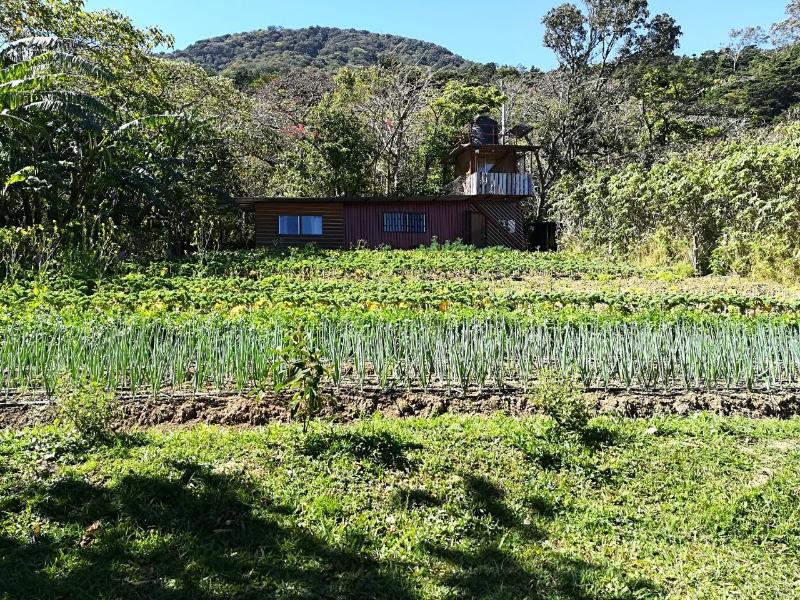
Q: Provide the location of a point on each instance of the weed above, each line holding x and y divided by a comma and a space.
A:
558, 396
87, 408
300, 370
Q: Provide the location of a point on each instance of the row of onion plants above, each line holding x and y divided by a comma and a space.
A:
152, 357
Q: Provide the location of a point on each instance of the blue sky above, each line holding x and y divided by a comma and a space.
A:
506, 32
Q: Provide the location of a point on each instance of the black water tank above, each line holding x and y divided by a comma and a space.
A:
485, 130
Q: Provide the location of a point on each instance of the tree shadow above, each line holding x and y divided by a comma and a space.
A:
203, 535
483, 567
409, 498
560, 449
378, 447
186, 530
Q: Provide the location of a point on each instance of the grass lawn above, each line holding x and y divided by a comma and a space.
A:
443, 508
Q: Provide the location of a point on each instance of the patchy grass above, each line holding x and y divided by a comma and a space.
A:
442, 508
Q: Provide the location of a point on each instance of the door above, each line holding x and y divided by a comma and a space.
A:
477, 229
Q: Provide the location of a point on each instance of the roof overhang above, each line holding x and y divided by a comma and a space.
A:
248, 203
491, 149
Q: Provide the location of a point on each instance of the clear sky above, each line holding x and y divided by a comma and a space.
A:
507, 32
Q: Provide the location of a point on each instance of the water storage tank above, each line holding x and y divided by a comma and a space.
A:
485, 130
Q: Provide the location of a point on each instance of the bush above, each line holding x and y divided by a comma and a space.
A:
758, 256
559, 396
87, 408
300, 371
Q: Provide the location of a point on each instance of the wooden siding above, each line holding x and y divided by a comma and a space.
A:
445, 220
498, 215
349, 223
266, 223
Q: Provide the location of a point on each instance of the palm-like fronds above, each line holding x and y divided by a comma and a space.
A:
38, 76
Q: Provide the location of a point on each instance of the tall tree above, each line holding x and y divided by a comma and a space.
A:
743, 39
571, 108
787, 32
388, 98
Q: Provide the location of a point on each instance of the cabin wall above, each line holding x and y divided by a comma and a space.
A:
499, 218
266, 224
348, 224
444, 220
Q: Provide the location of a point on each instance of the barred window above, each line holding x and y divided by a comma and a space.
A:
404, 223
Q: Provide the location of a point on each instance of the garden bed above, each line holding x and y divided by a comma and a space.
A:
351, 404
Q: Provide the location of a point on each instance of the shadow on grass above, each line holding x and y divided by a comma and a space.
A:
409, 498
200, 533
201, 536
378, 447
483, 567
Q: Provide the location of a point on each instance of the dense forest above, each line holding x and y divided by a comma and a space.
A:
109, 149
243, 55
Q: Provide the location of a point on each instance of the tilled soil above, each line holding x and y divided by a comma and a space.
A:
352, 404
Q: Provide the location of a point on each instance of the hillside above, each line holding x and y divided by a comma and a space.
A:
329, 48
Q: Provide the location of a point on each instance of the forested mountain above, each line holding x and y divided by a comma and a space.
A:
328, 48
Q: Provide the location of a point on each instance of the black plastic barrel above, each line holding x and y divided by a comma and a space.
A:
485, 130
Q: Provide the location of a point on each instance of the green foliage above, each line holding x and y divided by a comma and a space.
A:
158, 355
558, 396
300, 371
332, 158
100, 127
711, 196
87, 408
453, 108
249, 55
401, 509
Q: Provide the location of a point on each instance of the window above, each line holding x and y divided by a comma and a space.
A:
404, 223
299, 225
510, 225
485, 165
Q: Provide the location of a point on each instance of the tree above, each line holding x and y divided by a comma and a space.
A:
388, 99
592, 37
744, 39
95, 129
571, 108
664, 94
445, 120
34, 92
657, 43
787, 32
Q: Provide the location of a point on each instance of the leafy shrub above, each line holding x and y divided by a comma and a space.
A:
300, 370
87, 408
758, 256
558, 396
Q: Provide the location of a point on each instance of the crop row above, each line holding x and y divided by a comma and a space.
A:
138, 293
448, 260
456, 355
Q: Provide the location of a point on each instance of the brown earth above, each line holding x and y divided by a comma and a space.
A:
351, 404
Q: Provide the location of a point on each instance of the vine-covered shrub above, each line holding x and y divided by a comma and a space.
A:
734, 204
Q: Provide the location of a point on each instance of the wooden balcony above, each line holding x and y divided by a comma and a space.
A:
495, 184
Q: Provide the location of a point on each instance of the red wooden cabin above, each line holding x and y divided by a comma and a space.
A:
482, 207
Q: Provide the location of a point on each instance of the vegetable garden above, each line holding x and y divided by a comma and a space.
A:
395, 320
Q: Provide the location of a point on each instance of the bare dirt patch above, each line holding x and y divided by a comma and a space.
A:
350, 404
